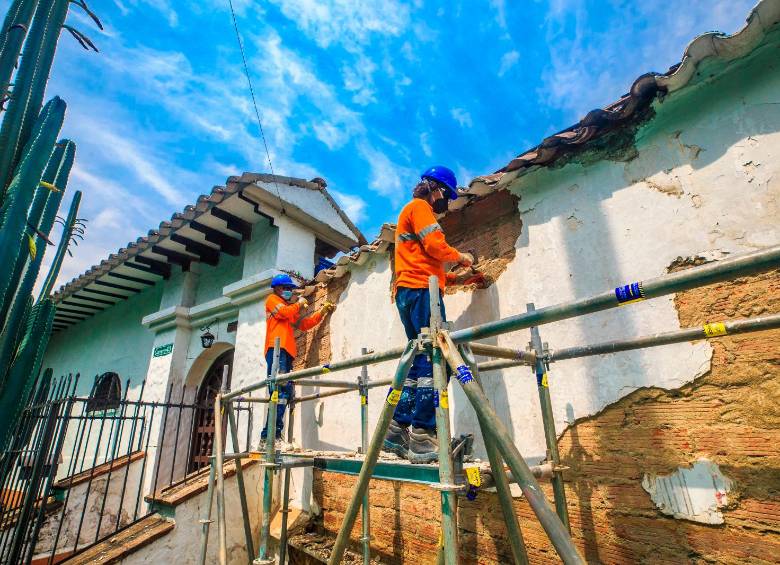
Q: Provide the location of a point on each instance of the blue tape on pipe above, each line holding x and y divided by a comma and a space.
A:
464, 375
629, 293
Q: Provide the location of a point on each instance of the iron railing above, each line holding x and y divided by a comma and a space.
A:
72, 476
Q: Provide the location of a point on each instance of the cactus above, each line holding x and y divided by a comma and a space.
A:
13, 216
59, 170
15, 27
67, 234
44, 208
30, 80
27, 364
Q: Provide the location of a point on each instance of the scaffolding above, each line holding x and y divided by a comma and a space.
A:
457, 349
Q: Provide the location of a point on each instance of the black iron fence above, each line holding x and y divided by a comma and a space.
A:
78, 469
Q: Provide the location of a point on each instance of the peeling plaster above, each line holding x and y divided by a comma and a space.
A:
696, 493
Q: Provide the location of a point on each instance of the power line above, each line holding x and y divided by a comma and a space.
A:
254, 103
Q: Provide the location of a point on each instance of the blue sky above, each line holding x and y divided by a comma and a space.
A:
364, 93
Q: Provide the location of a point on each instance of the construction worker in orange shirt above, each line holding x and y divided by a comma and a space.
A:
421, 250
283, 315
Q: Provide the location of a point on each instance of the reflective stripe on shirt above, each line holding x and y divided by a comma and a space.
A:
427, 230
276, 309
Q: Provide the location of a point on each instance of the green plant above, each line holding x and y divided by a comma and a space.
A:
48, 202
13, 216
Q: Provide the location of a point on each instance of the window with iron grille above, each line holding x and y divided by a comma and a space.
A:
106, 394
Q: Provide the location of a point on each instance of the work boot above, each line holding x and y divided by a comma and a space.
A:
423, 446
397, 440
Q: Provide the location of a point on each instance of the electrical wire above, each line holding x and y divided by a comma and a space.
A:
254, 103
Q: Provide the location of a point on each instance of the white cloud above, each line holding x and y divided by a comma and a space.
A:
387, 178
125, 153
500, 8
462, 116
425, 144
589, 68
330, 134
346, 22
162, 6
508, 60
358, 78
354, 206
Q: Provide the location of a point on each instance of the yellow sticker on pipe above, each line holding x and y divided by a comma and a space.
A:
275, 396
444, 400
393, 397
715, 329
473, 477
363, 399
255, 456
544, 381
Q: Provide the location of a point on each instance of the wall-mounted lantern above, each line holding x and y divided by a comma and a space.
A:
207, 338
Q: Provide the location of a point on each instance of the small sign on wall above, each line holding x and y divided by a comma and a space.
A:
163, 350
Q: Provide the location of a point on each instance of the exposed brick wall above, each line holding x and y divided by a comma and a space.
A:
314, 345
730, 415
488, 227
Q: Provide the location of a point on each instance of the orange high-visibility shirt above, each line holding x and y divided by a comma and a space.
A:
282, 319
420, 247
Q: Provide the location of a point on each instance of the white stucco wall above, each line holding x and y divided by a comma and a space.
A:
120, 492
183, 542
705, 181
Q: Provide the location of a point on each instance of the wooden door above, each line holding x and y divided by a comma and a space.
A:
203, 430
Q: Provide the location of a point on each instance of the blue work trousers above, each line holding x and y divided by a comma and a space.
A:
285, 390
416, 406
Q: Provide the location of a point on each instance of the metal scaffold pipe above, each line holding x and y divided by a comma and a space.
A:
326, 383
372, 454
708, 331
519, 355
353, 363
553, 527
219, 452
263, 555
319, 395
366, 514
703, 275
499, 476
449, 502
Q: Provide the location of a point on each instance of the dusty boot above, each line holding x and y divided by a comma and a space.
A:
423, 446
397, 440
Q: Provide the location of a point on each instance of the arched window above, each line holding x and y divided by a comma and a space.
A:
106, 394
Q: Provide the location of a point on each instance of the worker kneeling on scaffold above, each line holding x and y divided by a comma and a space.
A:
420, 251
283, 315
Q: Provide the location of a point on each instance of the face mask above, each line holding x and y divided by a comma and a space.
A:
440, 205
287, 295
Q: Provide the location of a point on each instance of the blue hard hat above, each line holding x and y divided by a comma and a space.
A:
444, 176
282, 280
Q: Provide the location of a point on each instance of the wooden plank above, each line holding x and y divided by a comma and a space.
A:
193, 484
113, 465
125, 542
